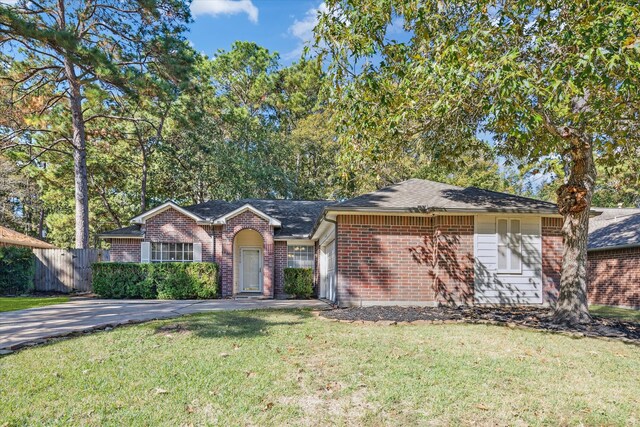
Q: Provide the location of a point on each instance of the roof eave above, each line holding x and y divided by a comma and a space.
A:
118, 236
613, 248
433, 210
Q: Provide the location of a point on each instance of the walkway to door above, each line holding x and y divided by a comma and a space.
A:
23, 327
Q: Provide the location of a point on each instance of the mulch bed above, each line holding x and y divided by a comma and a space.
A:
527, 317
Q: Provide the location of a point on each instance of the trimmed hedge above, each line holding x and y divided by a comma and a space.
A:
162, 280
17, 268
298, 282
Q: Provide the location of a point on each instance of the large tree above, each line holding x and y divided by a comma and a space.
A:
545, 78
52, 51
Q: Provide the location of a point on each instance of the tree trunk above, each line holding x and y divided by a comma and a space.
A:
574, 203
143, 183
41, 224
79, 158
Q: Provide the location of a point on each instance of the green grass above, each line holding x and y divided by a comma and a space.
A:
618, 313
287, 367
20, 303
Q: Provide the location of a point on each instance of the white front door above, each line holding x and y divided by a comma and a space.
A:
250, 270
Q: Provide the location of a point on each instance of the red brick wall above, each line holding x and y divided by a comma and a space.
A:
233, 226
125, 250
280, 265
172, 226
614, 277
551, 258
396, 259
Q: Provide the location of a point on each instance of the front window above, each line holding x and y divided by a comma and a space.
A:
509, 246
171, 252
300, 256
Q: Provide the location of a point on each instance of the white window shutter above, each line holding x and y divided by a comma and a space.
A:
145, 252
197, 252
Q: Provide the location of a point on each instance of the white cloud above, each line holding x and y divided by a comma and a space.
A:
225, 7
8, 2
303, 29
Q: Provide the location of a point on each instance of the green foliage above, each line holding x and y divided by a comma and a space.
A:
298, 282
157, 280
469, 67
17, 267
122, 280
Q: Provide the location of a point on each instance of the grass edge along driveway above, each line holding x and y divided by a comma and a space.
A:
289, 367
22, 303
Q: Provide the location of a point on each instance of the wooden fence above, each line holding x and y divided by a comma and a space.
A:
66, 270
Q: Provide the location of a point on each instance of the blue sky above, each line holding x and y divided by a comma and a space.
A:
279, 25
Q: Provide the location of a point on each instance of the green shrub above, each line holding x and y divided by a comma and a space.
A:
158, 280
17, 267
298, 282
122, 280
205, 278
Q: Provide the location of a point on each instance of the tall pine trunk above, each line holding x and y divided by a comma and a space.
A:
143, 183
574, 203
79, 157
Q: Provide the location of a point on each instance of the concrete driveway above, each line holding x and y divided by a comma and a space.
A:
35, 325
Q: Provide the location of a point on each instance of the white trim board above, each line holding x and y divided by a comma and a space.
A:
142, 218
223, 219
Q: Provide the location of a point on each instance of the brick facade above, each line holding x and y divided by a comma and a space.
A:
614, 277
396, 259
391, 259
551, 259
280, 265
125, 250
247, 220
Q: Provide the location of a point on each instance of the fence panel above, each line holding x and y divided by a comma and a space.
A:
66, 270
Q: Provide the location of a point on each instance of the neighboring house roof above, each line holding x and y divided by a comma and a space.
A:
11, 237
614, 228
417, 195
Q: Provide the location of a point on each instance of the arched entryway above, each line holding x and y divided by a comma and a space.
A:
248, 262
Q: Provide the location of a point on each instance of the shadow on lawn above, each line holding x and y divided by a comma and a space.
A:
236, 324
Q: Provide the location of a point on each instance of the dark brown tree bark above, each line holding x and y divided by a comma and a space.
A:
574, 203
143, 183
79, 157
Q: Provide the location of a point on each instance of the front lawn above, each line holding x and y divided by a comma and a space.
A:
290, 368
615, 312
20, 303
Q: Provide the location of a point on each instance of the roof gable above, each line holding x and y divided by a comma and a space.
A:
142, 218
247, 207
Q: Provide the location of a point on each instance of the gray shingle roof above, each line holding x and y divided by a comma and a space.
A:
420, 194
614, 228
212, 209
132, 230
297, 216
